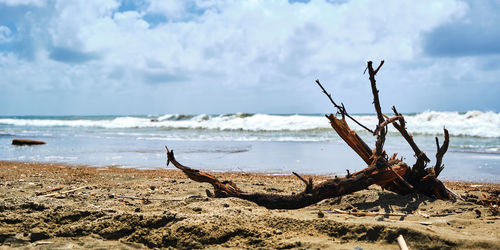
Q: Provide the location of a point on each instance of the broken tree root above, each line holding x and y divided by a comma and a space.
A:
391, 174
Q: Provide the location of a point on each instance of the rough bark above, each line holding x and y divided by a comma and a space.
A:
391, 174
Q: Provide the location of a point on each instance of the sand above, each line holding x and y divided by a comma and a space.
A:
117, 208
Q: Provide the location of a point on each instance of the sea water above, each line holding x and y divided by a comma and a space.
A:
275, 144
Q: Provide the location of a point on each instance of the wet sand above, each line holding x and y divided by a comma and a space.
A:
107, 207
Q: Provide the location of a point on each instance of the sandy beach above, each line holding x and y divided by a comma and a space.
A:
277, 104
51, 206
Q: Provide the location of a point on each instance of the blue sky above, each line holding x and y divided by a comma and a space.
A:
216, 56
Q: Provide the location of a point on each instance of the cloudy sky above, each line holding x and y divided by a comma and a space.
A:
157, 57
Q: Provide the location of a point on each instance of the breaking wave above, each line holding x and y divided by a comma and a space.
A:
472, 123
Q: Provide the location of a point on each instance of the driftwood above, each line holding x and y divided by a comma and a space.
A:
390, 173
65, 192
402, 243
48, 191
22, 142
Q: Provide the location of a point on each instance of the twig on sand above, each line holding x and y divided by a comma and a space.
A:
361, 213
455, 195
48, 191
65, 192
38, 243
424, 223
402, 243
140, 198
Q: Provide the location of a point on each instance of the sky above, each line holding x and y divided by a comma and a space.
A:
163, 56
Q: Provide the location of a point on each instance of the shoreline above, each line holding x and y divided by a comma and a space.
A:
115, 207
223, 172
250, 156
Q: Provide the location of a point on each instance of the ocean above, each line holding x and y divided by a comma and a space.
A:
269, 143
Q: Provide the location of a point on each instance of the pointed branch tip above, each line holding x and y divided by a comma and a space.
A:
300, 177
379, 66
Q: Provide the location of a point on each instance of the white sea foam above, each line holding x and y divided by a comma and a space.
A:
472, 123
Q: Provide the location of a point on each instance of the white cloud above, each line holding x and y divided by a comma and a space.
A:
250, 36
37, 3
269, 46
172, 9
70, 20
5, 34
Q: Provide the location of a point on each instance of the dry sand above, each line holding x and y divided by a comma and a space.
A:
128, 208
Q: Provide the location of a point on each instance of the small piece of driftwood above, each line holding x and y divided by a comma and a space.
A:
361, 213
48, 191
402, 243
65, 192
140, 198
23, 142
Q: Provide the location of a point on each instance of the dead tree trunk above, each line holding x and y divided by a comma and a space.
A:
390, 173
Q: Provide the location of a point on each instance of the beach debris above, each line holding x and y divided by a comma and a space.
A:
390, 173
65, 192
48, 191
40, 243
142, 199
26, 142
402, 243
361, 213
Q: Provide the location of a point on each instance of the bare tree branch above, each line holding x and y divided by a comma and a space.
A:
385, 123
441, 150
379, 145
221, 189
341, 109
309, 184
402, 130
376, 101
379, 66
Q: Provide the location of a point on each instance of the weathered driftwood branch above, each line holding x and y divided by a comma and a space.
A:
391, 174
385, 123
312, 193
401, 127
22, 142
379, 145
441, 150
341, 109
351, 138
376, 101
